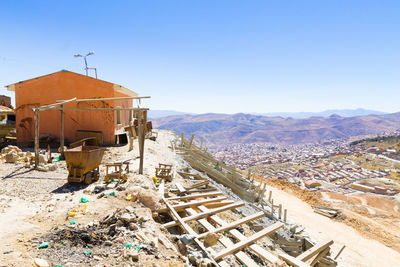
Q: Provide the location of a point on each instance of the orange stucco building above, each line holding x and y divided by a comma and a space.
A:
64, 85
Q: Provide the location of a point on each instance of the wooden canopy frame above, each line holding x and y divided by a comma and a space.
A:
59, 105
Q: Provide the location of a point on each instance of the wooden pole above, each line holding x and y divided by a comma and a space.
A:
191, 141
62, 133
182, 139
285, 215
201, 144
340, 251
280, 211
36, 146
142, 125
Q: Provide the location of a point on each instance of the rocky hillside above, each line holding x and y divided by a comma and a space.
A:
220, 129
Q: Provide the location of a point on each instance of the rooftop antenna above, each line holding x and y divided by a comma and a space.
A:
86, 66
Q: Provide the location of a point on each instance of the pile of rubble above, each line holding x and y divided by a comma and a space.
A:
13, 154
122, 237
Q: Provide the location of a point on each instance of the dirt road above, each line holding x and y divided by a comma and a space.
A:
359, 251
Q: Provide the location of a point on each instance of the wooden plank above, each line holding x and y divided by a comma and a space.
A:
226, 242
197, 185
241, 244
189, 230
211, 194
340, 251
206, 213
107, 98
314, 250
103, 109
161, 190
194, 203
180, 188
266, 255
235, 223
219, 204
319, 256
293, 261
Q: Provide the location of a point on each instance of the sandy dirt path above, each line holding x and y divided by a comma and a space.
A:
359, 251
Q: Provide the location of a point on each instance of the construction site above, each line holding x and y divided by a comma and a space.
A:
124, 194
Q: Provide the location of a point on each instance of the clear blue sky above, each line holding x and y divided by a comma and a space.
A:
215, 56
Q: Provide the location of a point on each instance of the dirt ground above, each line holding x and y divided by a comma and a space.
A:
370, 229
33, 202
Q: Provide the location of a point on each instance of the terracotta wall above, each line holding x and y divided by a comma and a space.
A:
61, 86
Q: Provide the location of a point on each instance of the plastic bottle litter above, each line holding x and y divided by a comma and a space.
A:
128, 245
72, 222
87, 252
44, 245
83, 200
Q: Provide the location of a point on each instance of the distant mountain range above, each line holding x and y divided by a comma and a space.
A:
326, 113
164, 113
221, 129
296, 115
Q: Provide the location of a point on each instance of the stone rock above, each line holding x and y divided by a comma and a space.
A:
133, 253
205, 262
133, 227
41, 263
42, 159
143, 219
52, 167
99, 188
211, 239
130, 209
11, 157
150, 199
11, 149
42, 168
127, 217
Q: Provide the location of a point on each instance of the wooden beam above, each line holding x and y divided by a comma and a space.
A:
161, 188
197, 185
340, 251
108, 98
293, 261
211, 194
226, 242
62, 132
53, 106
103, 109
308, 254
319, 256
180, 188
191, 141
142, 131
235, 223
266, 255
241, 244
194, 203
188, 229
36, 145
206, 213
214, 205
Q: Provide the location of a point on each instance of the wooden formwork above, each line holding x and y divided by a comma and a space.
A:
204, 208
